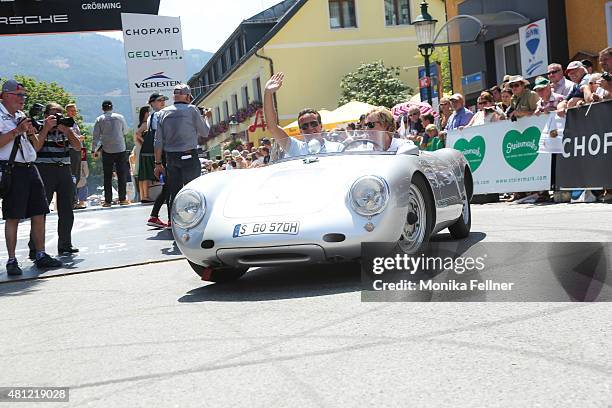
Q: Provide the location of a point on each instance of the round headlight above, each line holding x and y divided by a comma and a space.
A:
369, 195
188, 208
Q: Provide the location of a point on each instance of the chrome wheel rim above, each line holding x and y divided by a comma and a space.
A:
413, 235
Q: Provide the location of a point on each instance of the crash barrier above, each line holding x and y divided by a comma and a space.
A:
504, 156
586, 161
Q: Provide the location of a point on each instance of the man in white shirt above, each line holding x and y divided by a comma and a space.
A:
26, 196
560, 84
309, 122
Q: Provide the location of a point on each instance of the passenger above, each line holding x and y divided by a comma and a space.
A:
309, 122
381, 119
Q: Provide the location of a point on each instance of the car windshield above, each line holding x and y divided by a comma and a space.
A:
343, 142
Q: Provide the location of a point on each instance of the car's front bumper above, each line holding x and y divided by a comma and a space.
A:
313, 243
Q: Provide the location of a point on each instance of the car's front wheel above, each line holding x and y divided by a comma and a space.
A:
419, 220
218, 275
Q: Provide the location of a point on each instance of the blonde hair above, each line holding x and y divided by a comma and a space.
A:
385, 117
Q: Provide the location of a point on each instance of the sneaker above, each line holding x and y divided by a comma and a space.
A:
106, 204
585, 197
530, 199
67, 250
606, 198
156, 222
47, 262
124, 202
13, 269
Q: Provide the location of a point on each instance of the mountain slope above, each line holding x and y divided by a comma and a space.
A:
89, 66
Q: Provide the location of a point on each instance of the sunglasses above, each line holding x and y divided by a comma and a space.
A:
371, 125
18, 95
515, 85
313, 124
415, 114
553, 72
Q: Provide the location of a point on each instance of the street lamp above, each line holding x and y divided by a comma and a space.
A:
425, 27
233, 125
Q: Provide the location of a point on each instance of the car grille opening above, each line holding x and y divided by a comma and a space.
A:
273, 258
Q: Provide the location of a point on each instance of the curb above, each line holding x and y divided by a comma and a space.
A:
59, 275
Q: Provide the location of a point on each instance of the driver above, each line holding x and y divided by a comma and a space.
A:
309, 122
381, 119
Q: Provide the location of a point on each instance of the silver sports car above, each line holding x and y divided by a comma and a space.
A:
319, 207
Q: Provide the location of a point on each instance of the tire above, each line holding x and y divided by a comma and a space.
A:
461, 228
218, 275
415, 236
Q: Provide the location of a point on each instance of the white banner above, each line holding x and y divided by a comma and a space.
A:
504, 156
533, 42
154, 56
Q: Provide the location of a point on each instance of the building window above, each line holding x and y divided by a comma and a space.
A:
342, 14
397, 12
257, 89
228, 59
219, 68
234, 104
225, 111
245, 96
217, 115
507, 57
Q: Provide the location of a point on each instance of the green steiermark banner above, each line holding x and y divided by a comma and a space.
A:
503, 156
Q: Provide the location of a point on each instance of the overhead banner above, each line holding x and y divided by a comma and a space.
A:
63, 16
154, 56
504, 156
586, 161
534, 48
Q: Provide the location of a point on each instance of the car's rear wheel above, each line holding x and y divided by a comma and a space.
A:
218, 275
461, 228
419, 220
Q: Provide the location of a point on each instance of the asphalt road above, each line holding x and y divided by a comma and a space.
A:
155, 335
106, 238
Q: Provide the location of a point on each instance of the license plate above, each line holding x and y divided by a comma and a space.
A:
259, 228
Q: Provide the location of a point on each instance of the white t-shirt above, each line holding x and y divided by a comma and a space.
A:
401, 145
9, 122
300, 148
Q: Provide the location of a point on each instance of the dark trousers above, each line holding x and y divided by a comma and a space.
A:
161, 199
117, 162
58, 180
180, 170
75, 168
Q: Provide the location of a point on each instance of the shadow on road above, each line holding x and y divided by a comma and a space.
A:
282, 283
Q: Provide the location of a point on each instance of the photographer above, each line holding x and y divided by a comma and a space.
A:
53, 162
25, 198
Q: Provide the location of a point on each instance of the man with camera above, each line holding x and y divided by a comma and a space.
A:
109, 131
53, 145
25, 197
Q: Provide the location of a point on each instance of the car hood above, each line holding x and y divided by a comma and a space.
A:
294, 187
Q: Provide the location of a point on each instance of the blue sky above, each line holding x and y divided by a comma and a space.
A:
208, 23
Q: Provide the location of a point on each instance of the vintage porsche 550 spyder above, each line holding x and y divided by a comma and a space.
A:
320, 207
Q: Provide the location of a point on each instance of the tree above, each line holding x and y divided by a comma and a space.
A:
375, 84
43, 93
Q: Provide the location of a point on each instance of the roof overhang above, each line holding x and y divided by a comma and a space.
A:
471, 29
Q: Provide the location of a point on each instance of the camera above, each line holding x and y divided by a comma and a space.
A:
36, 110
64, 120
606, 76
